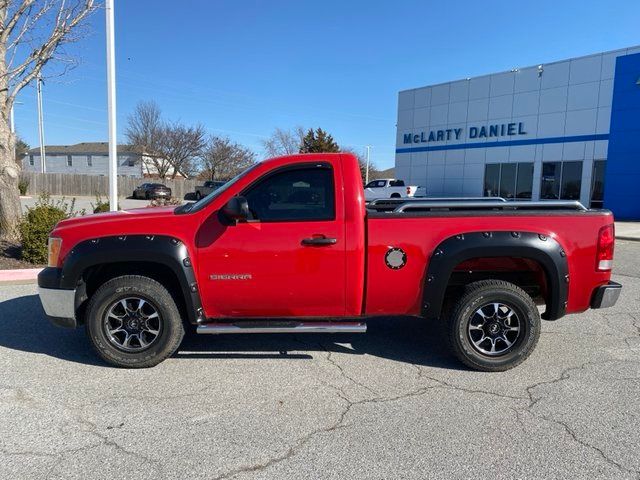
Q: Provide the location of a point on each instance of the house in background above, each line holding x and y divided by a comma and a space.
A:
91, 158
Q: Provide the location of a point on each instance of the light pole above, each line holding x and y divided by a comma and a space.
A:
43, 158
111, 107
366, 174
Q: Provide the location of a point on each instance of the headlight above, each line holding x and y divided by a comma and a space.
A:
55, 244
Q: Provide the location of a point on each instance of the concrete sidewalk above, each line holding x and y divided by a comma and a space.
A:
628, 231
20, 276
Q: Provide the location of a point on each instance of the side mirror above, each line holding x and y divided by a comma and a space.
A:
237, 208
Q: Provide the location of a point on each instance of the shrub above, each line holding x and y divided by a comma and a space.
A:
101, 206
165, 202
23, 185
38, 223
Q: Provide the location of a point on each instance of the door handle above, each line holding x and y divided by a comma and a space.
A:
318, 241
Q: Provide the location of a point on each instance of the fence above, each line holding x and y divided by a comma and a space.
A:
92, 185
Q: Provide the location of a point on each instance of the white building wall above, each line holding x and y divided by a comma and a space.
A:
560, 99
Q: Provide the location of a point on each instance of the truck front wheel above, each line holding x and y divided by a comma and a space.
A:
133, 322
494, 326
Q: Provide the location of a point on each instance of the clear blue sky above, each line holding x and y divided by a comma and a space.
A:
245, 68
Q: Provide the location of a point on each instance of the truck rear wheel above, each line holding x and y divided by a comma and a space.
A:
494, 326
133, 322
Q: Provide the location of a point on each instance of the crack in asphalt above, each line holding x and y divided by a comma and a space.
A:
565, 375
336, 425
450, 386
104, 439
533, 400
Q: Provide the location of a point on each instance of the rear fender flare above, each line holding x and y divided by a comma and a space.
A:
459, 248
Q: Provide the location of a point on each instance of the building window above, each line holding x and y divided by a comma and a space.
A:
550, 181
31, 160
561, 180
525, 181
69, 161
491, 179
89, 161
597, 184
571, 180
508, 180
131, 162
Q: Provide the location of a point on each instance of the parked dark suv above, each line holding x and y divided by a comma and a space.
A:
152, 190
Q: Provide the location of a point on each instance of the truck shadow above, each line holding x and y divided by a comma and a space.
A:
24, 327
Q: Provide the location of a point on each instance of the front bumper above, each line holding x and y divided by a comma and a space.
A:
606, 295
58, 303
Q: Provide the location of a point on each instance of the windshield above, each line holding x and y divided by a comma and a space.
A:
204, 201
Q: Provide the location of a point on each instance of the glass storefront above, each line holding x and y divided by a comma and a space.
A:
508, 180
561, 181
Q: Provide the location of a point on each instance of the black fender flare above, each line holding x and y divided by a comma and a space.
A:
465, 246
160, 249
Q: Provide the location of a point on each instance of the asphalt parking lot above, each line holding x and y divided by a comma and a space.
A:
389, 404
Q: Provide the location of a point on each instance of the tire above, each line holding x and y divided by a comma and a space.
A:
198, 195
479, 332
147, 195
108, 332
395, 195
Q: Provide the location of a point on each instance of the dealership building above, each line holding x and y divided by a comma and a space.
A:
563, 130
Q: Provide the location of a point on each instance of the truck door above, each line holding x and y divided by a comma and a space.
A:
289, 259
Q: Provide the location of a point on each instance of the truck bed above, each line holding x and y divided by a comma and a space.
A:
418, 232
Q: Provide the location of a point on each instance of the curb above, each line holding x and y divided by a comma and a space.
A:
20, 276
628, 239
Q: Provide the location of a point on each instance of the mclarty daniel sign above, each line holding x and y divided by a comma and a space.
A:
484, 131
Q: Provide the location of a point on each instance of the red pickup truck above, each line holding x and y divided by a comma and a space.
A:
289, 246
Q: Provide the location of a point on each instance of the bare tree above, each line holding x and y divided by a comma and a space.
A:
144, 131
181, 146
31, 36
284, 142
170, 149
223, 159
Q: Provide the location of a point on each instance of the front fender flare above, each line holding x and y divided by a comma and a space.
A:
159, 249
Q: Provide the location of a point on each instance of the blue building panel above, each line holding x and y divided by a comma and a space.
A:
622, 180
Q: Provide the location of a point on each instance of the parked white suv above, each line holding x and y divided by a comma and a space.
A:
388, 188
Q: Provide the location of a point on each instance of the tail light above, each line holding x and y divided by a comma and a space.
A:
606, 241
408, 190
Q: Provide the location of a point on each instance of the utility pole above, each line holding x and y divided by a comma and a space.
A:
43, 158
366, 174
111, 107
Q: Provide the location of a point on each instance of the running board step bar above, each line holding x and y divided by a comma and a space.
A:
282, 327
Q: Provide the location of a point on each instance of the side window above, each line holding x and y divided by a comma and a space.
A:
373, 184
396, 183
382, 183
301, 194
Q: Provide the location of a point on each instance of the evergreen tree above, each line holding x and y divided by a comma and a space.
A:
318, 141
